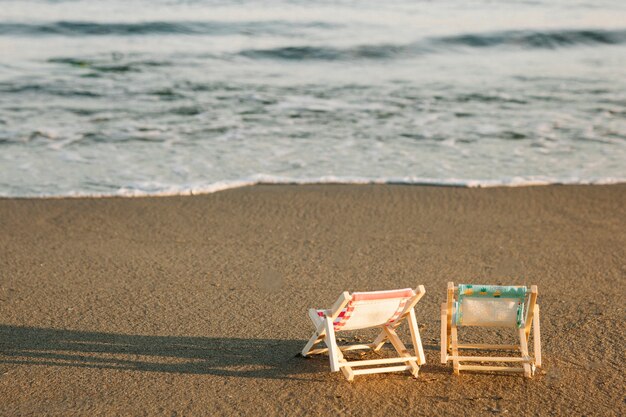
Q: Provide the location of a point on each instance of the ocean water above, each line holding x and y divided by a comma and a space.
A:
144, 97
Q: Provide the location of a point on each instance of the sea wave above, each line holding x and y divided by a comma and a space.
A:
87, 28
170, 191
538, 39
522, 39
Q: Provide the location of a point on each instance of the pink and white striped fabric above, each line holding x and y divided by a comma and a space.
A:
371, 309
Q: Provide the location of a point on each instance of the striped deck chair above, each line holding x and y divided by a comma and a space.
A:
363, 310
491, 306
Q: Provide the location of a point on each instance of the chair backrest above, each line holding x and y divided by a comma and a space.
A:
490, 306
376, 308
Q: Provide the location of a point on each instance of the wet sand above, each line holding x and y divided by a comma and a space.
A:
197, 305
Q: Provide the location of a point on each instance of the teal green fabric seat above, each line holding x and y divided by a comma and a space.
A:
490, 305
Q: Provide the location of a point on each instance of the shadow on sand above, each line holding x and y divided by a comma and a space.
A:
254, 358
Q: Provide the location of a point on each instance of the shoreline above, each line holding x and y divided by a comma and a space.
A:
271, 181
197, 304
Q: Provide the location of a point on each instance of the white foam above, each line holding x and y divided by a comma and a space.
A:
172, 190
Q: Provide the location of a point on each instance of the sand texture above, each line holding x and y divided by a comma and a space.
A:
197, 305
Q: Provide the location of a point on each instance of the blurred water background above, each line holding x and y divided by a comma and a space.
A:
178, 96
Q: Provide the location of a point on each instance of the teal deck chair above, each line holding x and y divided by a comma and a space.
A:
513, 307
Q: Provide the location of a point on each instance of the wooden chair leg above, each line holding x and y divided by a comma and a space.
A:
455, 350
449, 307
532, 300
444, 333
416, 339
402, 350
536, 337
524, 352
346, 370
318, 336
333, 349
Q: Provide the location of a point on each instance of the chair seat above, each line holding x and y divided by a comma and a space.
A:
371, 309
490, 306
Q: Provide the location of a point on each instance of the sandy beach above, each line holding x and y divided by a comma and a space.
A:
197, 305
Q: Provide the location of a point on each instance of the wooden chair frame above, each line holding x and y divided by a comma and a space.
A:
450, 347
325, 332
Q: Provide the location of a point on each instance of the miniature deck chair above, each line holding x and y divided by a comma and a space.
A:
491, 306
362, 310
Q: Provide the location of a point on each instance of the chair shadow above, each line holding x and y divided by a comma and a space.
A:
231, 357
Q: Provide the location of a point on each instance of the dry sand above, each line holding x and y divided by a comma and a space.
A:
197, 305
